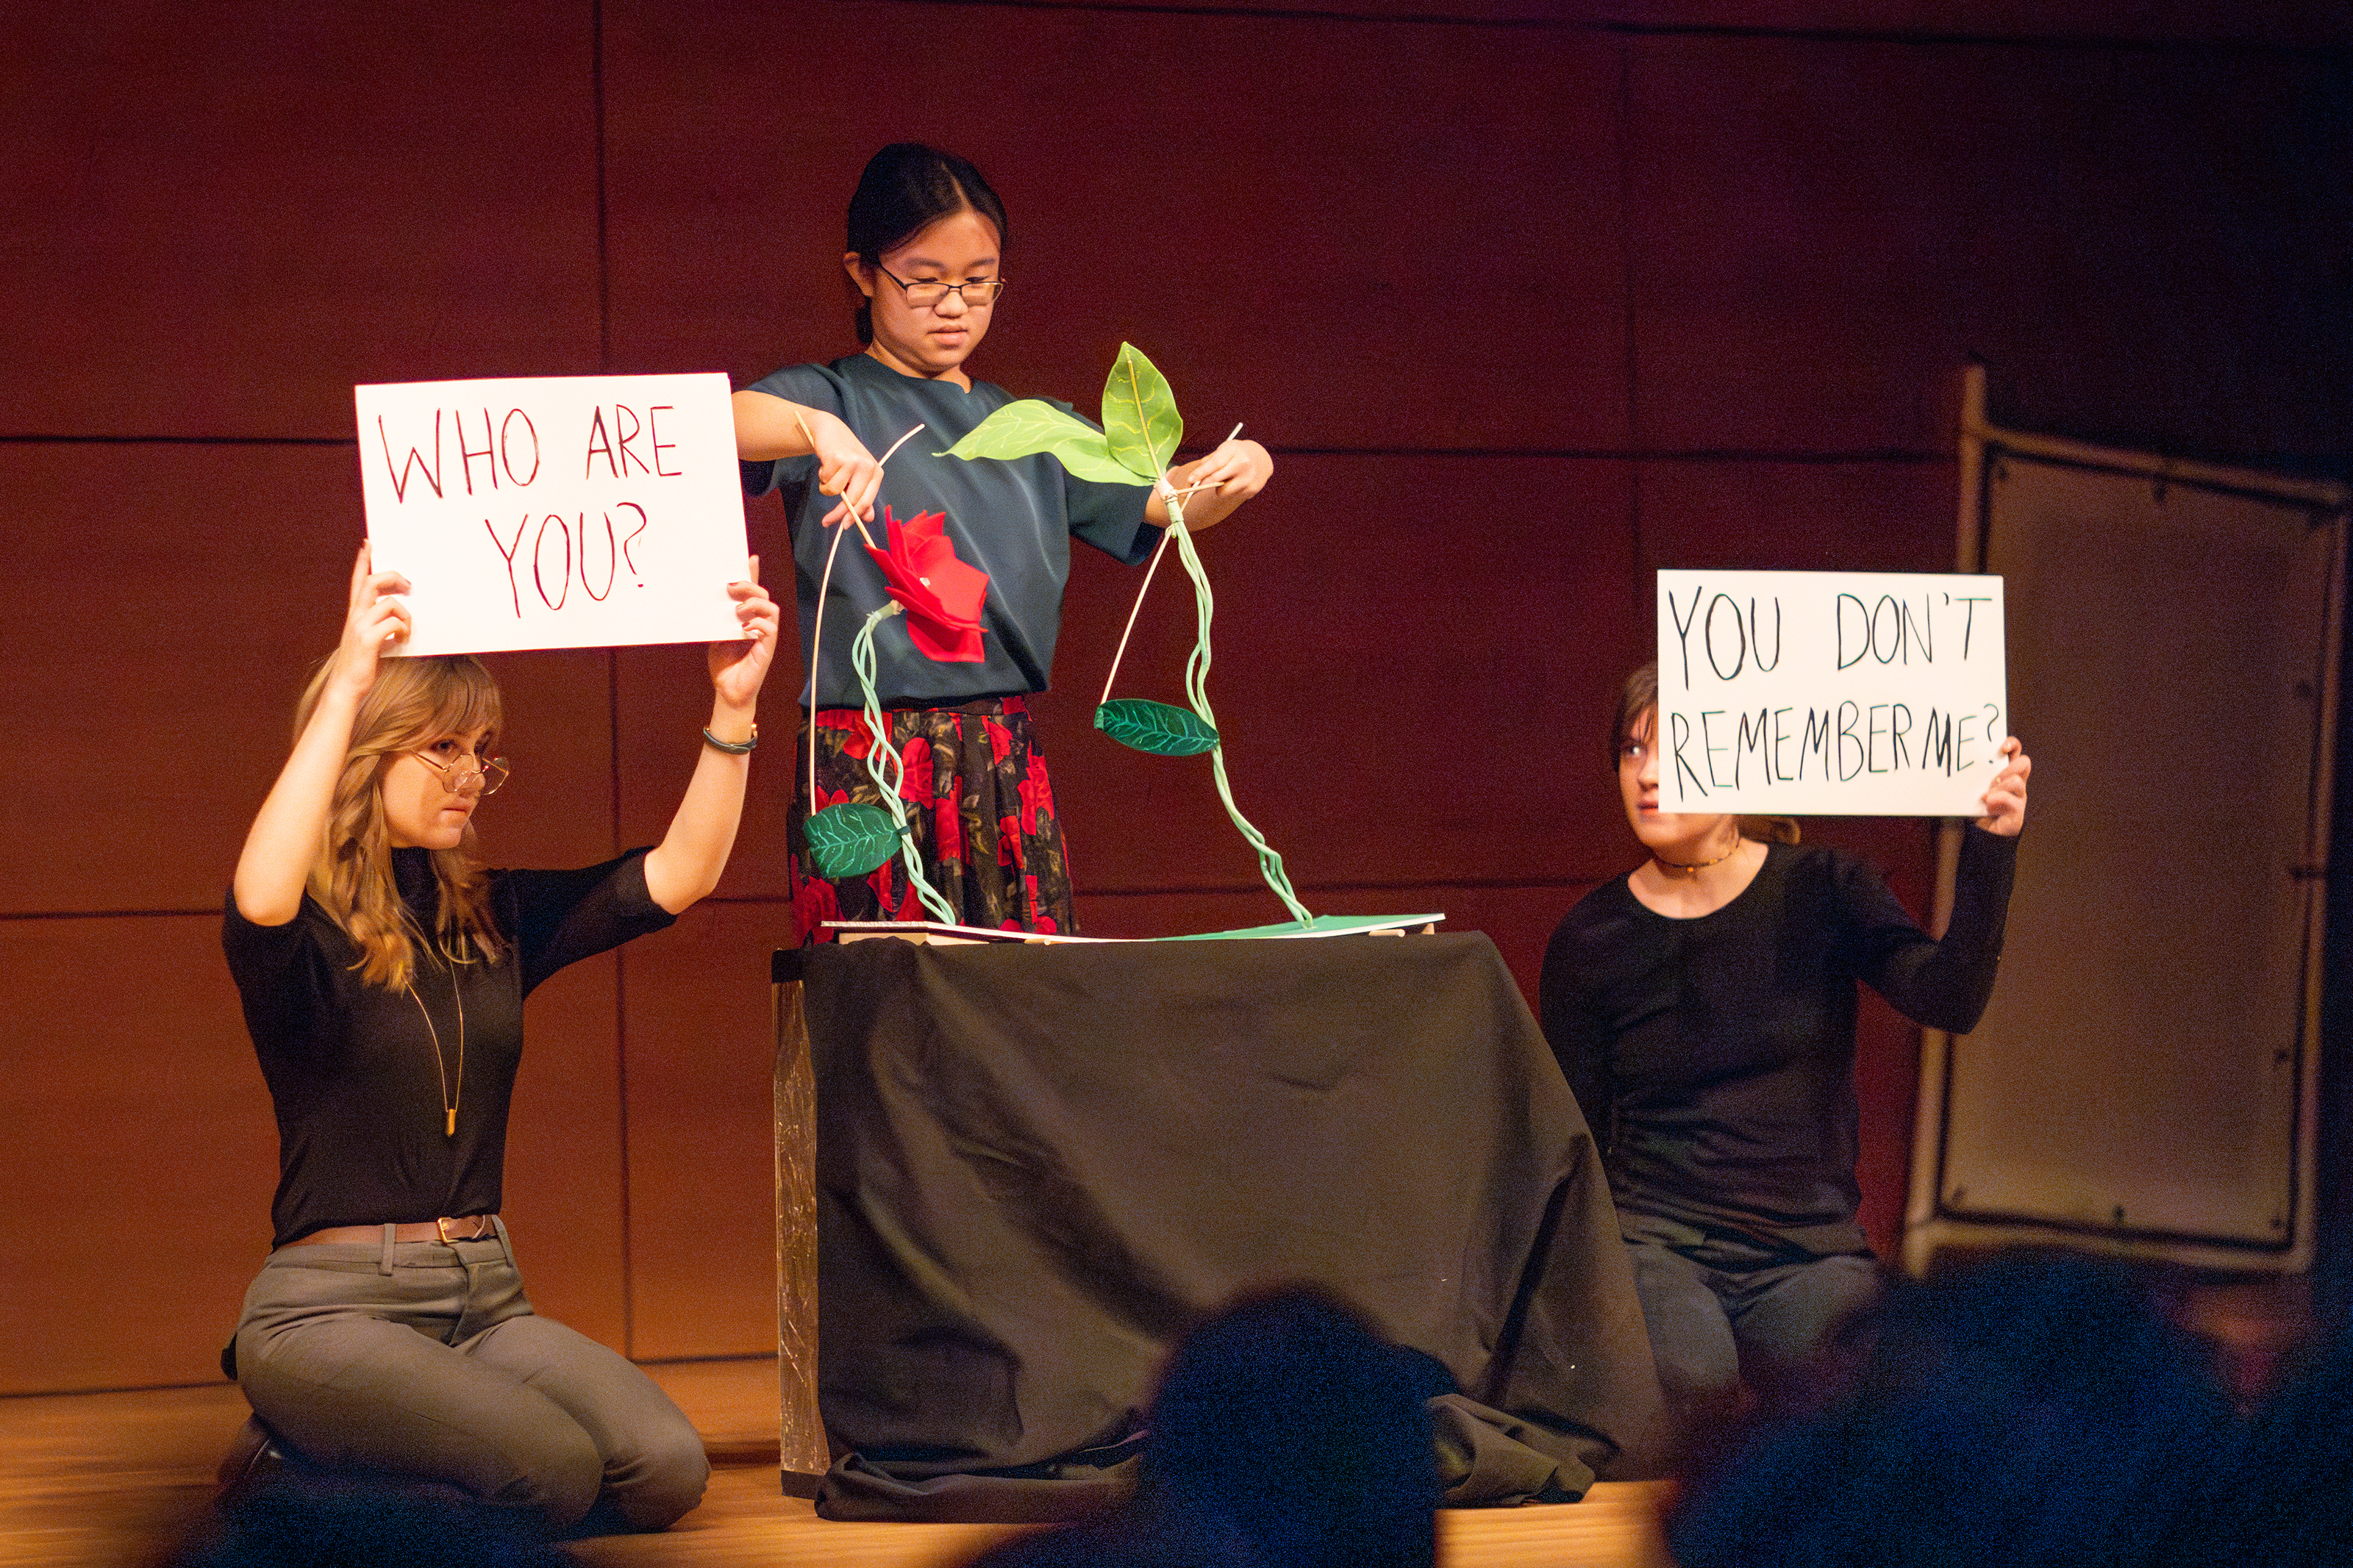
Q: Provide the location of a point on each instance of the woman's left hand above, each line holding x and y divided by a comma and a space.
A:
2005, 803
737, 669
686, 865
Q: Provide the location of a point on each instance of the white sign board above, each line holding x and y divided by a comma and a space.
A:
555, 512
1830, 693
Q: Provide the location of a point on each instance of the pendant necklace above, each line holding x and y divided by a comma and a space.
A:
440, 1064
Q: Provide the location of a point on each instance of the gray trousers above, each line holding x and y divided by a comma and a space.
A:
425, 1359
1715, 1327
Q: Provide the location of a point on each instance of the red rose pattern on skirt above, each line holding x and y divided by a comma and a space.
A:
981, 806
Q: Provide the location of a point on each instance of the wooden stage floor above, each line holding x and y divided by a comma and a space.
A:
106, 1480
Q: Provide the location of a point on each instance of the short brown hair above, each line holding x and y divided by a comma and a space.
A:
1640, 694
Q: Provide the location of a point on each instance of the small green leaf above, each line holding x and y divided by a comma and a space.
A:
1025, 428
850, 839
1140, 415
1154, 727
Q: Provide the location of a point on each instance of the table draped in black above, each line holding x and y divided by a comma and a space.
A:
1038, 1165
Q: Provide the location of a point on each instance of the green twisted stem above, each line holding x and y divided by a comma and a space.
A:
1196, 695
882, 761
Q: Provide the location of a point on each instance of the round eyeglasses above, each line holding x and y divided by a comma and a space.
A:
490, 771
929, 291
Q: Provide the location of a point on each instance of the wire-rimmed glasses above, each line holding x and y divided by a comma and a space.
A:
929, 291
491, 771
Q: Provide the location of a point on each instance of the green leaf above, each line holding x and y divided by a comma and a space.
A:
850, 839
1029, 427
1140, 415
1154, 727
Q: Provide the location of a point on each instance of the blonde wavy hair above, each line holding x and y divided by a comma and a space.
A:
1639, 696
414, 703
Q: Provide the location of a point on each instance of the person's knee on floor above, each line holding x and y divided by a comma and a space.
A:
661, 1483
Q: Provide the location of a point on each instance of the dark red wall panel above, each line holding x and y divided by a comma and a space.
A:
1817, 229
161, 604
141, 1156
1342, 232
1414, 659
700, 1043
163, 613
663, 700
2284, 22
564, 1199
219, 220
1796, 517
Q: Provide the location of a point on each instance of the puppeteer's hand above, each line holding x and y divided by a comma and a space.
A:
737, 669
845, 468
2005, 802
374, 620
1236, 471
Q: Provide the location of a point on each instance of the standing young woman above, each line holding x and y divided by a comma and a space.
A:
1703, 1007
383, 973
926, 244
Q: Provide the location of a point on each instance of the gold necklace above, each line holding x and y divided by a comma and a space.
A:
440, 1064
1691, 869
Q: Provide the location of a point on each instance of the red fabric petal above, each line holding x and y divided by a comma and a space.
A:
942, 596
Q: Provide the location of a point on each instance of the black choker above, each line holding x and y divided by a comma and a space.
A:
1693, 868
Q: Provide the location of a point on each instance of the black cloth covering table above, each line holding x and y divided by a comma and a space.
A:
1038, 1166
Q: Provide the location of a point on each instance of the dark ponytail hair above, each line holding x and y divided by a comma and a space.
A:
907, 187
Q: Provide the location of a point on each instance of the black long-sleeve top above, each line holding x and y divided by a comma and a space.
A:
350, 1066
1715, 1057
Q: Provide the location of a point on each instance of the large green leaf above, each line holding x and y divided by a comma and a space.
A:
850, 839
1029, 427
1154, 727
1139, 414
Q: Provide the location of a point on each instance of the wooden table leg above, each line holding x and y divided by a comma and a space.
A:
802, 1451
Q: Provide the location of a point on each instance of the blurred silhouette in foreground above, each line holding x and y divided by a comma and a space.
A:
2295, 1502
1286, 1434
2027, 1410
319, 1522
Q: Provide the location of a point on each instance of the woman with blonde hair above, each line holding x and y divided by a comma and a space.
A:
382, 972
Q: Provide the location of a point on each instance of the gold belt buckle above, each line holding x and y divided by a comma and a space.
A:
441, 1229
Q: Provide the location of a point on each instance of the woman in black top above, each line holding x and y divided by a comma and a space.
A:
382, 972
1703, 1007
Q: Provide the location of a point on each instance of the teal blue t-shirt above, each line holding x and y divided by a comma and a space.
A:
1014, 520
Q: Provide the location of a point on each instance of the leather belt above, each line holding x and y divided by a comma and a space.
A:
468, 1227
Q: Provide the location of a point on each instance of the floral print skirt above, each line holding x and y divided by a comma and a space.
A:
979, 800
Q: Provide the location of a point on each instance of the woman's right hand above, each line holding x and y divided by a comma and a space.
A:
374, 622
844, 468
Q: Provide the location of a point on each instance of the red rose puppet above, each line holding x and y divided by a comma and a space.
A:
941, 594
